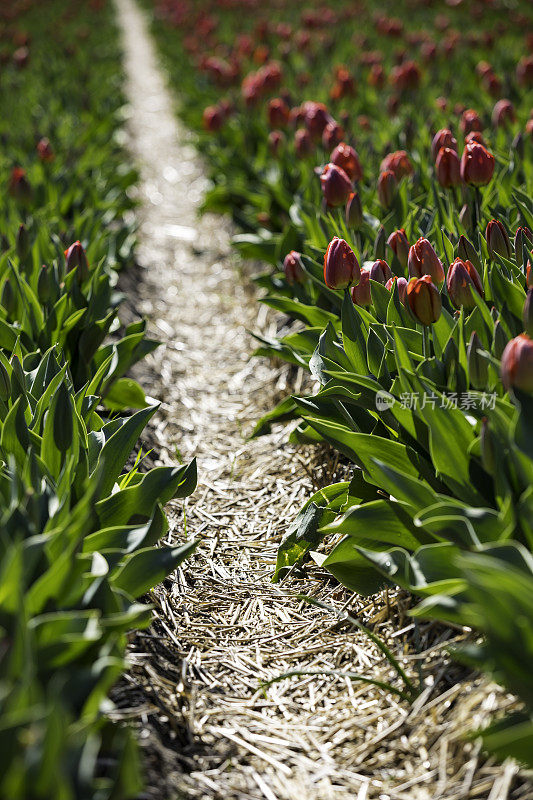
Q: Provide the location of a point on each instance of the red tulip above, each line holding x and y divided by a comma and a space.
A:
424, 300
387, 185
275, 140
354, 211
361, 294
213, 119
470, 121
517, 364
399, 245
462, 278
316, 118
336, 185
76, 258
380, 271
475, 136
19, 185
402, 287
303, 143
44, 150
477, 165
292, 267
497, 239
341, 267
503, 113
332, 135
423, 260
448, 168
346, 157
443, 138
399, 163
278, 113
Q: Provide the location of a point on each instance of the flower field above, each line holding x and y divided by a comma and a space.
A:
376, 160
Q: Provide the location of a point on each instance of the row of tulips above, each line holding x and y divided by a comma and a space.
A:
80, 520
329, 136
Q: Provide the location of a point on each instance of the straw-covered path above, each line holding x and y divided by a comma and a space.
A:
221, 627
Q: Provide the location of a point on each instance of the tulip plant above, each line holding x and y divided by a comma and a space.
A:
380, 158
79, 520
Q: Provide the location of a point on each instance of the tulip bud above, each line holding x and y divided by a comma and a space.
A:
477, 165
448, 168
387, 185
462, 278
275, 140
19, 186
398, 163
44, 150
488, 457
75, 258
399, 245
43, 285
23, 242
523, 240
478, 369
424, 300
278, 113
361, 294
402, 287
528, 313
470, 121
292, 267
354, 211
9, 301
517, 364
341, 267
332, 135
379, 244
303, 143
423, 260
443, 138
380, 271
213, 119
497, 239
346, 158
499, 342
467, 252
336, 185
503, 113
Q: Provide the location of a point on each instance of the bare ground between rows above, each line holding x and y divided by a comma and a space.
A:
221, 628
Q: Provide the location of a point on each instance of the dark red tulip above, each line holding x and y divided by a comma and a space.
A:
503, 113
332, 135
292, 267
336, 185
443, 138
341, 268
475, 136
44, 150
380, 271
354, 211
462, 278
497, 239
346, 157
399, 245
387, 185
278, 113
402, 287
477, 165
517, 364
361, 294
448, 168
275, 140
470, 121
316, 118
423, 260
19, 185
303, 143
399, 163
75, 257
213, 119
424, 300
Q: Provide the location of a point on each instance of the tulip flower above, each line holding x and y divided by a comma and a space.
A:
470, 121
44, 150
423, 260
399, 245
402, 287
380, 271
292, 267
347, 159
467, 252
19, 186
462, 278
448, 168
503, 113
517, 364
316, 118
497, 239
399, 163
341, 267
523, 236
213, 119
387, 185
332, 135
275, 140
478, 368
424, 300
443, 138
336, 185
475, 136
303, 143
76, 258
354, 211
361, 294
477, 165
278, 113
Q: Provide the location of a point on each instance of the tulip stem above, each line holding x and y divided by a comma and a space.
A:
477, 209
425, 341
